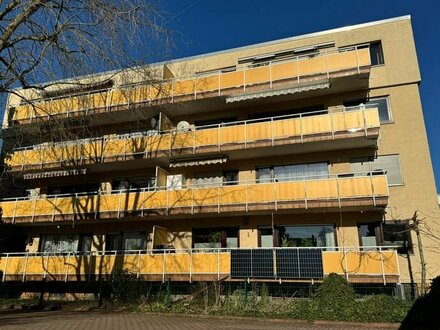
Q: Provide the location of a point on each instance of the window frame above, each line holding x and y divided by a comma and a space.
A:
366, 100
377, 42
377, 233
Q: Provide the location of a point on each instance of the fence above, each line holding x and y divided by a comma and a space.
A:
217, 83
330, 190
374, 264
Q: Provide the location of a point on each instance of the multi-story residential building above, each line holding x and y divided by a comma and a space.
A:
282, 161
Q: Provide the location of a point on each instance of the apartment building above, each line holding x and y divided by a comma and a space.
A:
282, 162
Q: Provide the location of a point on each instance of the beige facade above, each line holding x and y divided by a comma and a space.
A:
394, 81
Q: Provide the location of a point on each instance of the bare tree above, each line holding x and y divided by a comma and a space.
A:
47, 40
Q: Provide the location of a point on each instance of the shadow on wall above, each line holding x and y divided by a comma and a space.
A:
425, 313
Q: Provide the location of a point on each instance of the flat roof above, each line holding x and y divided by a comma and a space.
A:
262, 44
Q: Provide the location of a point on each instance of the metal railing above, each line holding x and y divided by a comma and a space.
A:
244, 133
271, 263
196, 85
217, 197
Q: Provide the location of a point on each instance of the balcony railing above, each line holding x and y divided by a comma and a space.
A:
265, 76
271, 131
376, 264
323, 191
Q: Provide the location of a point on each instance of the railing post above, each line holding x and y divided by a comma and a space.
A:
357, 60
297, 69
372, 188
90, 264
244, 79
46, 266
270, 74
163, 267
382, 267
139, 264
301, 127
54, 207
119, 203
192, 199
143, 202
326, 65
25, 267
33, 210
15, 210
245, 134
219, 83
346, 264
332, 124
66, 266
246, 194
194, 141
218, 198
272, 131
218, 264
195, 88
190, 265
6, 267
364, 119
219, 137
338, 191
305, 192
275, 196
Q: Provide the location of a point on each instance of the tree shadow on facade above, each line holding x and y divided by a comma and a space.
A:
424, 314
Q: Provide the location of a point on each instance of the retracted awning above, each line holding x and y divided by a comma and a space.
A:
278, 92
54, 174
198, 162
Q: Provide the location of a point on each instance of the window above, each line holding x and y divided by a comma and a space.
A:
126, 241
266, 237
134, 183
382, 104
376, 53
59, 243
307, 236
283, 173
388, 163
85, 243
230, 177
90, 187
135, 241
369, 234
215, 238
396, 233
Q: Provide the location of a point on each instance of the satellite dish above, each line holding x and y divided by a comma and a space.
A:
183, 126
153, 122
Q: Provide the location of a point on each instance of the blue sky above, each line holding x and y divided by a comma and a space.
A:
202, 26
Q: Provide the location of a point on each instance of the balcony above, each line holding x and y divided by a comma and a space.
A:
377, 265
352, 128
291, 76
331, 192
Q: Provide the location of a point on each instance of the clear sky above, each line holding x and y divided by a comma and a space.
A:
202, 26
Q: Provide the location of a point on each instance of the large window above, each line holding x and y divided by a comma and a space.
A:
388, 163
382, 104
126, 241
307, 236
60, 243
215, 238
133, 183
282, 173
215, 178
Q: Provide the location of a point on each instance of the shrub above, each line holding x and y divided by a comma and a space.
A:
336, 299
383, 308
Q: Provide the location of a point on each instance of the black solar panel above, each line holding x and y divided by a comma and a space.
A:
299, 263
